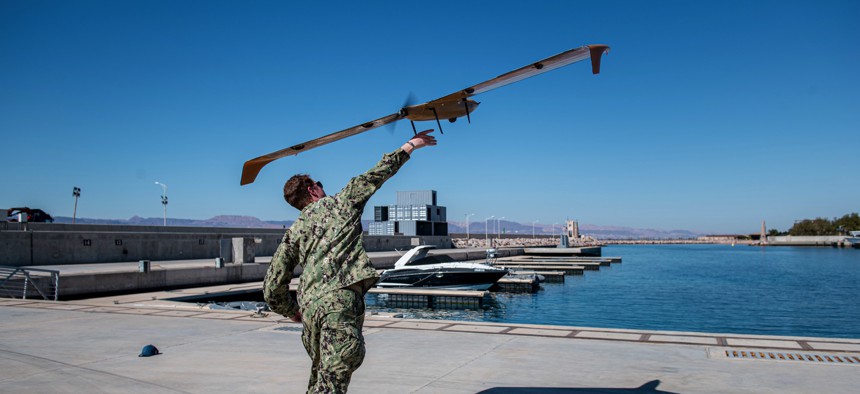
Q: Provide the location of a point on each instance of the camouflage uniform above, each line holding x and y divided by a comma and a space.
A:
326, 241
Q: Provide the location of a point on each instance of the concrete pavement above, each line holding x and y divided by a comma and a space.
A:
92, 346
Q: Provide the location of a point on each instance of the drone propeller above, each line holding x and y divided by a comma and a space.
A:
408, 102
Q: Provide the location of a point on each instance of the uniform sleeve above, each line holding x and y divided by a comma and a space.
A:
362, 187
276, 286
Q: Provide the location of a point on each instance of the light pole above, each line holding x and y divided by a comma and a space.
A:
76, 191
486, 239
499, 227
163, 199
467, 224
533, 228
553, 232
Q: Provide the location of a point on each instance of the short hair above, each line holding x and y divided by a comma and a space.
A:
296, 191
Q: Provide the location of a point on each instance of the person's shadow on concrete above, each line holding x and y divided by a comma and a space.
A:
647, 388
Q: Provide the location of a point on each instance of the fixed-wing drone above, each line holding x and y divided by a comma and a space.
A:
451, 107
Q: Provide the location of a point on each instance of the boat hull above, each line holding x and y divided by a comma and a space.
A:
451, 278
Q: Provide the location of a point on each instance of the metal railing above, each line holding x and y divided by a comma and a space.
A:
18, 282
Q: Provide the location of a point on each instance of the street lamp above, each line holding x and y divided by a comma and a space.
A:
499, 227
486, 239
553, 232
76, 191
533, 228
467, 224
163, 199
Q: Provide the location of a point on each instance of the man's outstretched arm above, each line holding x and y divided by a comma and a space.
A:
362, 187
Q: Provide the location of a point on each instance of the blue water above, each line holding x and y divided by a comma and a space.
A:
705, 288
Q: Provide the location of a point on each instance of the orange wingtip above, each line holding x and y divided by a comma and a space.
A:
251, 169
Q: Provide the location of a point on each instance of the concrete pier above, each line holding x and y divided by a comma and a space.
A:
82, 279
93, 346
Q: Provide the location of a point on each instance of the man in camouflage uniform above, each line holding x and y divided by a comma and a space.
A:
326, 242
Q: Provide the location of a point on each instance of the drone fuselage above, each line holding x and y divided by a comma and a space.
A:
444, 110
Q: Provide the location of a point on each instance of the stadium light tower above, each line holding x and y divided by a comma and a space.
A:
486, 239
163, 199
467, 224
76, 191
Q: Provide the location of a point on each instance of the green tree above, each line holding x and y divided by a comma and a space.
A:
817, 226
849, 222
822, 226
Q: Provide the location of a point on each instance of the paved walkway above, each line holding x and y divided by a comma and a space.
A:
92, 346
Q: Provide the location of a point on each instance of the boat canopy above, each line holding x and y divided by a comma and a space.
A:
414, 254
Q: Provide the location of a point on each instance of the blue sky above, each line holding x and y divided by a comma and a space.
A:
707, 116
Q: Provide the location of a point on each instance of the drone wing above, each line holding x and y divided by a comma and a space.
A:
541, 66
252, 167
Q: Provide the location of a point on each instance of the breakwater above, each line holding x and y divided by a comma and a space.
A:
27, 244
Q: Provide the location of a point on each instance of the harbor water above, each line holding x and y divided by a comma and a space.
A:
796, 291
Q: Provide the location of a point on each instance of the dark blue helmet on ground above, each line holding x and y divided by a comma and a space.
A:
148, 351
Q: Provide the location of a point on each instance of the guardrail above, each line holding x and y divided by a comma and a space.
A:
17, 282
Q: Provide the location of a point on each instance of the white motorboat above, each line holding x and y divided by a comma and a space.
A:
853, 239
417, 269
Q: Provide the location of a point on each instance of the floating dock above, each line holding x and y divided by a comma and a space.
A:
581, 251
549, 276
431, 298
607, 260
567, 269
517, 284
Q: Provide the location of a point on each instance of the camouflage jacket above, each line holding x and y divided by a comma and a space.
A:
326, 242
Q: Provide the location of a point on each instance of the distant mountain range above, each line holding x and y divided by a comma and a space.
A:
507, 227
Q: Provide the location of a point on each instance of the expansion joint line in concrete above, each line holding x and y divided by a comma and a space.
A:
466, 363
63, 365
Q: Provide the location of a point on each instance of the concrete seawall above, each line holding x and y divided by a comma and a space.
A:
27, 244
88, 279
805, 240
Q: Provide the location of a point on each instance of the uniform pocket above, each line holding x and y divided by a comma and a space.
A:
342, 341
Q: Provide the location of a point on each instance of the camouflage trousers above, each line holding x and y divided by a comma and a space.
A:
332, 337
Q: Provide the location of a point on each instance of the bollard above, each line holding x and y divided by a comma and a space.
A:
143, 266
243, 250
219, 262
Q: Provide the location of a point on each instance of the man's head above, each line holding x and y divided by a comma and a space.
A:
300, 190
